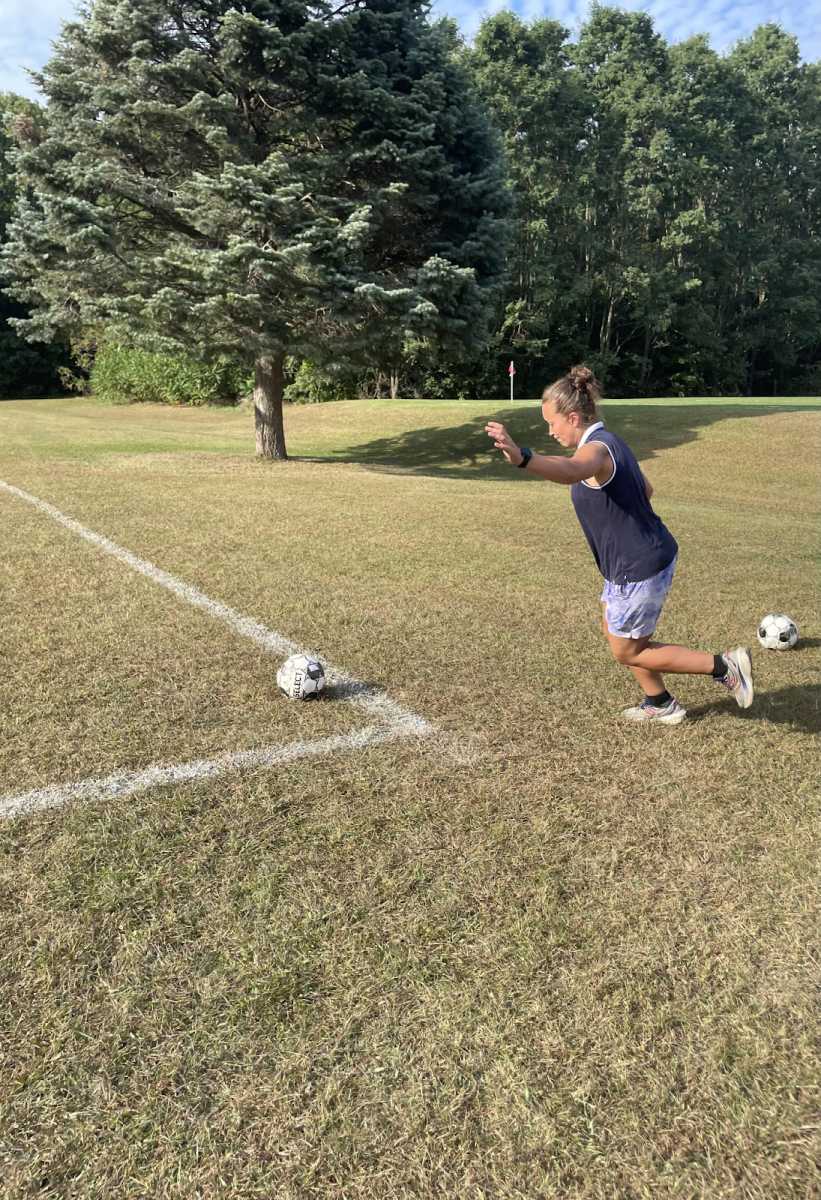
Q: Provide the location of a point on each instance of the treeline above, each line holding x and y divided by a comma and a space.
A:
668, 219
666, 229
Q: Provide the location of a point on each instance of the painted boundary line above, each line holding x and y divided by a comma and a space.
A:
393, 721
127, 783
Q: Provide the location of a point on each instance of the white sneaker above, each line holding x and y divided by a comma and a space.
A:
739, 678
670, 713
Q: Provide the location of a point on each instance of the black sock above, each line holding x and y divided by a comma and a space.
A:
660, 700
719, 667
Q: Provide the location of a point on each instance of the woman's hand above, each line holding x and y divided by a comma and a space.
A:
504, 442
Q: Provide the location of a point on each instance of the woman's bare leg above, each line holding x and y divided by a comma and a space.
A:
648, 659
655, 657
650, 682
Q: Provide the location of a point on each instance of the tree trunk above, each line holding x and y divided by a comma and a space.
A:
606, 327
394, 382
645, 359
751, 373
268, 387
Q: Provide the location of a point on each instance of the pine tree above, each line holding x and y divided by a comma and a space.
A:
258, 179
25, 370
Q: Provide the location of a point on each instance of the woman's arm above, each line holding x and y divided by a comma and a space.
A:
648, 487
588, 460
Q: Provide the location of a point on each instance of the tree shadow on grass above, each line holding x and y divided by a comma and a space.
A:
465, 451
797, 707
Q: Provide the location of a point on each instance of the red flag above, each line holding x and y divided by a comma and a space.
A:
511, 369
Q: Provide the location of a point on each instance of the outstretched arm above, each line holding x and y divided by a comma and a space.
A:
585, 463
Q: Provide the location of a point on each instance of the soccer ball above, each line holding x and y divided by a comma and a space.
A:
301, 677
777, 632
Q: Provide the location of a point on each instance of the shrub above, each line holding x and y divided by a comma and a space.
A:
313, 385
125, 376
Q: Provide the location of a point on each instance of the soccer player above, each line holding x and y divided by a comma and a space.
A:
634, 550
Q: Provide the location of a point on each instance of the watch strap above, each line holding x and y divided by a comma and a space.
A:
527, 454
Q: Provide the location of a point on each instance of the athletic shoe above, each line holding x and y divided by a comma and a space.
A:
670, 713
739, 677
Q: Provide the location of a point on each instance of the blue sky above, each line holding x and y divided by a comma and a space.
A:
28, 26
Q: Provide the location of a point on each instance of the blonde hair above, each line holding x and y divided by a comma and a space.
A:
577, 391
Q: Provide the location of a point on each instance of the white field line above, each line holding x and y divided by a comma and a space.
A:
126, 783
394, 721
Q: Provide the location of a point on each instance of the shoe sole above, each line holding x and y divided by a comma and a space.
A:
746, 692
674, 719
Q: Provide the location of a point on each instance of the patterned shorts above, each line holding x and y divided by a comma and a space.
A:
632, 610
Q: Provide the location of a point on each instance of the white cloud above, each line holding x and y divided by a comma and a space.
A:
28, 29
29, 26
727, 22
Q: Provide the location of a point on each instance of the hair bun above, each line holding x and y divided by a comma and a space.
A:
583, 378
575, 392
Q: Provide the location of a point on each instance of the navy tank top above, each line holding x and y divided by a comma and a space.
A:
629, 542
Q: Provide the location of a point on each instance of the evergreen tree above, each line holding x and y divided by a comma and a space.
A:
260, 178
25, 370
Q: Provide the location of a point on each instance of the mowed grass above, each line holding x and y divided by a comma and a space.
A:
545, 954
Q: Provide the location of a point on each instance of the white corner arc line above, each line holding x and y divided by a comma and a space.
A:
394, 721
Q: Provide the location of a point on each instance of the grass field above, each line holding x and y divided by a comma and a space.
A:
540, 954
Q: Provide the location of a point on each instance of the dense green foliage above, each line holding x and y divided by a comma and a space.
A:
25, 369
668, 206
123, 375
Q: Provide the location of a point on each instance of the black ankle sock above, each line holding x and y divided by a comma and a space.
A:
719, 667
660, 700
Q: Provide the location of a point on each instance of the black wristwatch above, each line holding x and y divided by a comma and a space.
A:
526, 456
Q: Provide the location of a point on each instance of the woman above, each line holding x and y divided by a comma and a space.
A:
634, 550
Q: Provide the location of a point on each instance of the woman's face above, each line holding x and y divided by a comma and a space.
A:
566, 430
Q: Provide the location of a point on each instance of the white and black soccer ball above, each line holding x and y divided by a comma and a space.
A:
777, 632
301, 677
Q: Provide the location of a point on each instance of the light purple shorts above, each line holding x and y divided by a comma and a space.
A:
632, 610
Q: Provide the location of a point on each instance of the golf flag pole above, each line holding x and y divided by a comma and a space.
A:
511, 372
